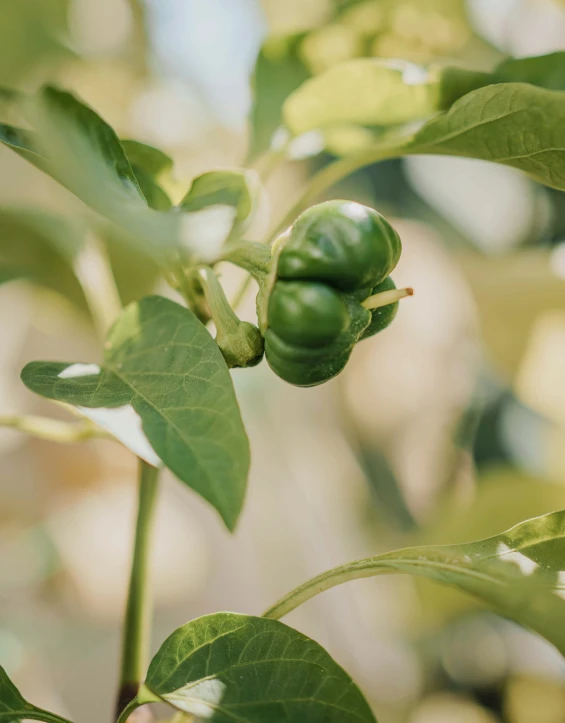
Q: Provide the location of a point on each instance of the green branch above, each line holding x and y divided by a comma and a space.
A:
54, 430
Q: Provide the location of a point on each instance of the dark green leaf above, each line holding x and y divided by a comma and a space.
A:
515, 124
13, 707
546, 71
165, 391
519, 573
278, 72
227, 667
148, 165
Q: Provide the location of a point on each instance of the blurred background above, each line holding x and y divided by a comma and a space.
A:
448, 427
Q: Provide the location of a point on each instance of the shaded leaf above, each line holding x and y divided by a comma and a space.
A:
278, 71
165, 391
14, 707
227, 667
148, 164
519, 573
546, 71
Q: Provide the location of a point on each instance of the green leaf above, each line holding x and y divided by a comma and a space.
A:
227, 667
278, 71
165, 391
545, 71
236, 191
149, 164
41, 247
519, 573
82, 152
515, 124
364, 91
14, 707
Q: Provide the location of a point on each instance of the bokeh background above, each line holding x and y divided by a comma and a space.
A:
448, 427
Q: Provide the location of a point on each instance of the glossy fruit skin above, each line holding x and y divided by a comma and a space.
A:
342, 243
336, 255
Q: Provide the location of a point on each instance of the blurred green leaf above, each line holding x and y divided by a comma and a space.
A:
81, 151
165, 391
278, 71
545, 71
32, 37
148, 164
227, 667
364, 91
519, 573
13, 707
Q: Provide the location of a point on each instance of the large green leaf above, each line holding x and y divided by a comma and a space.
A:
165, 391
519, 573
71, 143
515, 124
13, 707
227, 667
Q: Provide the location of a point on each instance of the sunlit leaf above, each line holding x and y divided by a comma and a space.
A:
364, 91
165, 391
230, 194
227, 667
519, 573
515, 124
13, 707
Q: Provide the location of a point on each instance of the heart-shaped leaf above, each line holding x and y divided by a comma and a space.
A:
519, 573
165, 391
13, 707
227, 667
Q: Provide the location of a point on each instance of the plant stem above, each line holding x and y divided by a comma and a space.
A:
92, 269
53, 429
137, 625
384, 298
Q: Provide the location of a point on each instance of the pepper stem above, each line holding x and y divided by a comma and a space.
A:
384, 298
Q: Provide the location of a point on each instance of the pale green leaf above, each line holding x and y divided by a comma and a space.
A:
165, 391
71, 143
363, 91
227, 668
13, 707
519, 573
233, 191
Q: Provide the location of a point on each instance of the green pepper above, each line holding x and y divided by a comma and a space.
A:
331, 290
